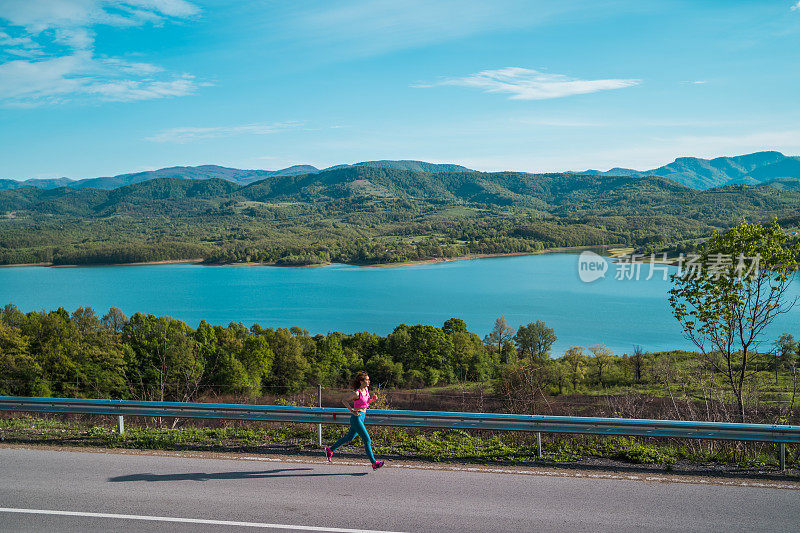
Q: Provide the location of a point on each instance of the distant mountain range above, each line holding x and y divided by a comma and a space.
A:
235, 175
564, 194
760, 168
368, 214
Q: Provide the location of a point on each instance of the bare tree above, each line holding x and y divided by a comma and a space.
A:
638, 362
734, 289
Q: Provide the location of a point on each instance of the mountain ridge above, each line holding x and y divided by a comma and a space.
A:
758, 168
235, 175
364, 214
698, 173
551, 193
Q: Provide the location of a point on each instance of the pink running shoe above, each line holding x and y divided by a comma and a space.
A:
328, 454
377, 464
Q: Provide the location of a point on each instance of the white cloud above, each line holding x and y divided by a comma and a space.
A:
7, 40
37, 16
50, 44
132, 90
796, 7
528, 84
75, 38
189, 134
80, 75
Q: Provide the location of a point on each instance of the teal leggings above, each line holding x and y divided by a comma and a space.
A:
357, 427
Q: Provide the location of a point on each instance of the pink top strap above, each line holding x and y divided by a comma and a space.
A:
363, 399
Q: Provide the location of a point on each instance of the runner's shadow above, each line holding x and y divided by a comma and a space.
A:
205, 476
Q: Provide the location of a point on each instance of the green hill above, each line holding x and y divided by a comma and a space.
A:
371, 215
697, 173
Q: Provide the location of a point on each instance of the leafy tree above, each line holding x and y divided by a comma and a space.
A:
576, 361
384, 372
233, 357
12, 316
290, 367
785, 352
362, 346
85, 320
470, 361
163, 362
535, 340
422, 347
559, 373
20, 375
257, 359
114, 320
499, 336
454, 325
414, 379
332, 364
738, 289
602, 359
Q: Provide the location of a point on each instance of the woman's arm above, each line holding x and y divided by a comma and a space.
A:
352, 399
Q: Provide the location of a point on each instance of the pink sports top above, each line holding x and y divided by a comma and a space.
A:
363, 400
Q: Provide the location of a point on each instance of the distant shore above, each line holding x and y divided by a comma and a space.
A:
431, 260
164, 262
487, 256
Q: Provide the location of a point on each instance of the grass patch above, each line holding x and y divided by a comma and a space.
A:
411, 443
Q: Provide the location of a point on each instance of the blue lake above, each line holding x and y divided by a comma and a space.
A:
618, 313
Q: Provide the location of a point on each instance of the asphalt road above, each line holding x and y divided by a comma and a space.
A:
45, 490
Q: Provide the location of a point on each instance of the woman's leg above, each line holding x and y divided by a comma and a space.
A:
361, 429
350, 435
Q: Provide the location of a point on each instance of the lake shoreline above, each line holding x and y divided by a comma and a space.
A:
489, 256
432, 260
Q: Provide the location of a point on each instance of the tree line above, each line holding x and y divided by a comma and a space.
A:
147, 357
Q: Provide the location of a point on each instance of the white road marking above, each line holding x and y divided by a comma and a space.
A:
186, 520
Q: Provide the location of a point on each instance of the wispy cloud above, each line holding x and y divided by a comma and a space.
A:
189, 134
695, 82
360, 28
80, 75
48, 47
9, 42
72, 19
528, 84
559, 122
796, 7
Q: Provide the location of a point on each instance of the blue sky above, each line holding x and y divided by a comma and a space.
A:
101, 87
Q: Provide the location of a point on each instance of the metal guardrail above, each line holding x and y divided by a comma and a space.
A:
780, 434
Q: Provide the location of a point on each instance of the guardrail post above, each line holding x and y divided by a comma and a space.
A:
121, 423
782, 456
319, 426
539, 443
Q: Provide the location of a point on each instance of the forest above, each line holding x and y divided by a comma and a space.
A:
147, 357
362, 215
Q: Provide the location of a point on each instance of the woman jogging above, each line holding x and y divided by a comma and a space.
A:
361, 400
